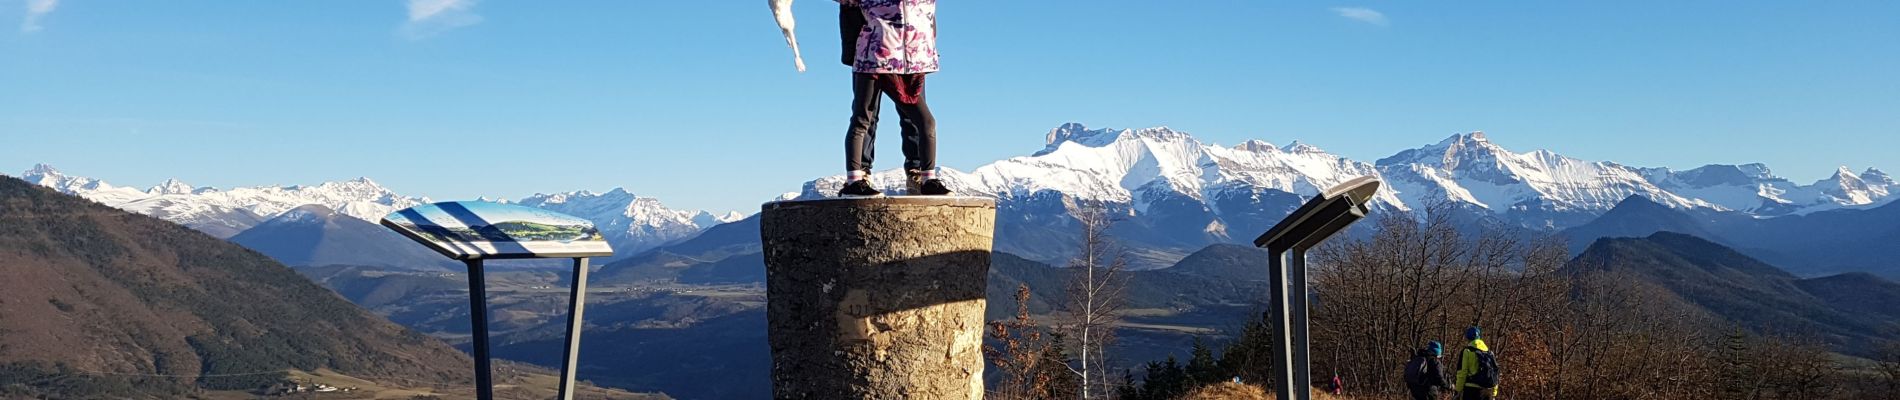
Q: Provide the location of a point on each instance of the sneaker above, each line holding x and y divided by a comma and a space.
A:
859, 188
913, 182
934, 187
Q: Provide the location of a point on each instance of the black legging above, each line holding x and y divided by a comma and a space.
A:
919, 127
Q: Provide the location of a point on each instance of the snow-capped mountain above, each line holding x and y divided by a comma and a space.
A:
1178, 194
633, 223
224, 213
1754, 189
1540, 189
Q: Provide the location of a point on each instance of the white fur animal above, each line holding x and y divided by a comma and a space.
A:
782, 10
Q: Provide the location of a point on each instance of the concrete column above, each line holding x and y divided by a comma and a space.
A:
877, 298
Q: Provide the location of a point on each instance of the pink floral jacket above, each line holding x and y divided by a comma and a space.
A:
899, 37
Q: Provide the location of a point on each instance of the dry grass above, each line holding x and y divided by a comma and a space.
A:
1228, 391
1236, 391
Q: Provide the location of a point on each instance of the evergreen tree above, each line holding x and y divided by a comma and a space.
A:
1165, 380
1250, 356
1127, 389
1203, 369
1054, 368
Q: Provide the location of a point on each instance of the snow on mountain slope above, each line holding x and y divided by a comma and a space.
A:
640, 222
1754, 189
1747, 187
1538, 188
1135, 166
1847, 189
632, 223
94, 189
224, 213
1178, 192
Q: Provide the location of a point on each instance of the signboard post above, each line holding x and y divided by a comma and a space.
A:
475, 231
1326, 214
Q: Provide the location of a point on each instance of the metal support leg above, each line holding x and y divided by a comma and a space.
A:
478, 324
576, 301
1297, 300
1278, 319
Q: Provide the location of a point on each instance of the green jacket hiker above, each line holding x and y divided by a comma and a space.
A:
1475, 367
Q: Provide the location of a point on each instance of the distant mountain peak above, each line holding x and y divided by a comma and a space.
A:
1876, 176
1845, 181
1472, 137
1081, 135
1844, 173
706, 219
1757, 170
44, 175
1723, 174
171, 186
41, 169
1256, 146
1298, 147
1455, 150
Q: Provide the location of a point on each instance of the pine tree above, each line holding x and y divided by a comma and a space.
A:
1127, 389
1203, 369
1165, 380
1054, 368
1250, 356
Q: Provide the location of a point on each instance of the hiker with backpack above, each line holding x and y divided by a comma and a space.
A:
890, 46
1477, 369
1424, 375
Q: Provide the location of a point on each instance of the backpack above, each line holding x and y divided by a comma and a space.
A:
1487, 375
1415, 372
850, 23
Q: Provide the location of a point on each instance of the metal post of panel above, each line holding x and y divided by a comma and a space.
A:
1288, 241
576, 301
1283, 382
478, 324
1296, 301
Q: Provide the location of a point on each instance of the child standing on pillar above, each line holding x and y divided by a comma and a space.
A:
890, 46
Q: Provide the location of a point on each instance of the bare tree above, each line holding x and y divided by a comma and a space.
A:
1096, 294
1018, 351
1889, 367
1564, 333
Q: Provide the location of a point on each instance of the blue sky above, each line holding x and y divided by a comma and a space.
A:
696, 102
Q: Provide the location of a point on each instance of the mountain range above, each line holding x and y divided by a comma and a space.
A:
1814, 244
1172, 194
632, 223
1854, 312
112, 304
312, 235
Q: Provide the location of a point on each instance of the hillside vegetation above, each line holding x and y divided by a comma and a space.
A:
97, 302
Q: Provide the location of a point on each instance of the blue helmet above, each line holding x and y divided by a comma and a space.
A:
1437, 349
1473, 333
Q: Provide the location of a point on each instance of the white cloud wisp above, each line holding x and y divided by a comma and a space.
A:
1362, 14
432, 17
35, 9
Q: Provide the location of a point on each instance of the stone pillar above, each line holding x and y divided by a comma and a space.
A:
877, 298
